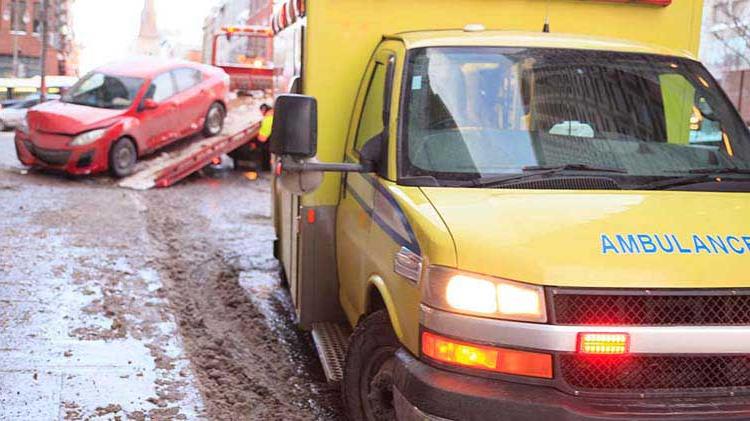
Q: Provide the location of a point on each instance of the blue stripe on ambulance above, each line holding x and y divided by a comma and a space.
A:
397, 227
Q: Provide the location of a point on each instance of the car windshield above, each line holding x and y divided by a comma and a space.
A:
479, 112
104, 91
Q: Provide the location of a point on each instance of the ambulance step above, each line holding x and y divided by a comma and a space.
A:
331, 341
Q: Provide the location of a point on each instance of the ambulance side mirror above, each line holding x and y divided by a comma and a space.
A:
295, 126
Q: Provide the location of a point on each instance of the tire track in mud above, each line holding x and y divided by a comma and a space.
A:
249, 365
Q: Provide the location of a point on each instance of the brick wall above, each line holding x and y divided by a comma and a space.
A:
29, 44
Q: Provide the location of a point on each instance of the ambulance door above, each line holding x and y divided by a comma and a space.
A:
355, 211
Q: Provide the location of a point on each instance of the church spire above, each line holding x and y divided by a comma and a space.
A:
148, 35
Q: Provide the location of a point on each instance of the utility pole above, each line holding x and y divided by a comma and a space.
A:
15, 52
45, 42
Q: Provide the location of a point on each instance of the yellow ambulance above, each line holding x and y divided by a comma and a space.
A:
514, 209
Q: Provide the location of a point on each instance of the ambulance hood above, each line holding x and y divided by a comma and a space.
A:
600, 239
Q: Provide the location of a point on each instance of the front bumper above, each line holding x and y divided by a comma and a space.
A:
82, 160
423, 392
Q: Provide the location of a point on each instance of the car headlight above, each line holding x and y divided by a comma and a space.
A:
88, 137
480, 295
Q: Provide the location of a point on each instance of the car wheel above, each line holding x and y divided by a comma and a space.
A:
2, 126
122, 157
367, 386
214, 120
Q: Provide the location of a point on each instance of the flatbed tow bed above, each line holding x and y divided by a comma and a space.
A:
187, 156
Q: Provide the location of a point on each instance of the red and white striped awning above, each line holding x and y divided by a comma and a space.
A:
287, 14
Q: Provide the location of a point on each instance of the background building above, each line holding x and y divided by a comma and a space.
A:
20, 30
725, 48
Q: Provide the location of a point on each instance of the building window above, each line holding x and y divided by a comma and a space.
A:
18, 16
37, 27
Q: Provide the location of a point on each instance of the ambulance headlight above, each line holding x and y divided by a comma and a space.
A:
480, 295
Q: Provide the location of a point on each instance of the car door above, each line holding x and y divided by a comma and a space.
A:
159, 125
192, 104
355, 210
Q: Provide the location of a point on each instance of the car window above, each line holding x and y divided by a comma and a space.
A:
104, 91
371, 122
187, 78
30, 103
162, 87
27, 103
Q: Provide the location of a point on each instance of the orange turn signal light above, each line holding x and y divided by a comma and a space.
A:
500, 360
603, 343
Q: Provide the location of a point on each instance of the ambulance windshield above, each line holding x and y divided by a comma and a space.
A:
474, 112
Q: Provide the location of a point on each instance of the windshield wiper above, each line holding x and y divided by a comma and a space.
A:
732, 170
702, 175
575, 167
537, 170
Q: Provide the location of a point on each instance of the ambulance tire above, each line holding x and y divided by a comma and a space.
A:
214, 122
368, 372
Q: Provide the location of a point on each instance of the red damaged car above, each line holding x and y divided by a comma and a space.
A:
123, 111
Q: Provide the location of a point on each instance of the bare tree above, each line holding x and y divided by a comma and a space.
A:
737, 28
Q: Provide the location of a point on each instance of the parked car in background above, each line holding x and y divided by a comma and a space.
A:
123, 111
14, 112
9, 102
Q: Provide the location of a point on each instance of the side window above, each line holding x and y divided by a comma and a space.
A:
371, 120
187, 78
690, 118
162, 87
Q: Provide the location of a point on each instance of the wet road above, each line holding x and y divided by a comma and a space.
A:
165, 304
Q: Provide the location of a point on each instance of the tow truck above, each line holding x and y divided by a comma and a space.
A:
251, 72
515, 209
251, 69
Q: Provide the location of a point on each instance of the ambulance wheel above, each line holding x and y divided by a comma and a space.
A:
122, 157
214, 120
368, 372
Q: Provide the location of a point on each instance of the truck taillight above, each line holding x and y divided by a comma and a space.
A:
603, 343
500, 360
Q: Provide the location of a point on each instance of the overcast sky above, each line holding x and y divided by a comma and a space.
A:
106, 29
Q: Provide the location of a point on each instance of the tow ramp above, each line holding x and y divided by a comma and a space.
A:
174, 163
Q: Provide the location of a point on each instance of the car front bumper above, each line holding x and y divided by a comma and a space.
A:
81, 160
423, 392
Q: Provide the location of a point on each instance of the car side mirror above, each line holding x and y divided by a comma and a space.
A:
295, 126
150, 104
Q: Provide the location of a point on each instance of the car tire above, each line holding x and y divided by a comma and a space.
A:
122, 157
368, 372
214, 123
2, 126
